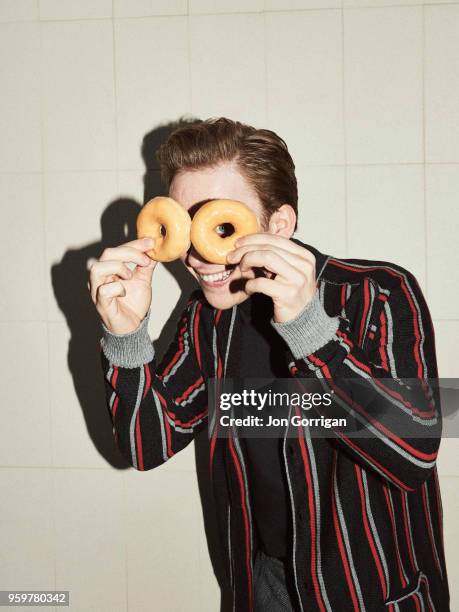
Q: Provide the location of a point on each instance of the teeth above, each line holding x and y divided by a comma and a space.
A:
210, 278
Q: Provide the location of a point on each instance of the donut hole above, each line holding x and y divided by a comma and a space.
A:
224, 230
162, 230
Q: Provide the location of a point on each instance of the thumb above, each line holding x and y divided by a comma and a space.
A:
145, 273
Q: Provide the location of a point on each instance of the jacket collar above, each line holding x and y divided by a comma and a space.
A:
321, 258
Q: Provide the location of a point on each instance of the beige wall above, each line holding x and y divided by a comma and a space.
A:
367, 96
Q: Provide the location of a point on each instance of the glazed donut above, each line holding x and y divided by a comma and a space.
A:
169, 224
211, 245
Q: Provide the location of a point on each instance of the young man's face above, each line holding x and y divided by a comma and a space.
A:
192, 187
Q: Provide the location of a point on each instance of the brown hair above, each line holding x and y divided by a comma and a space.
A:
261, 156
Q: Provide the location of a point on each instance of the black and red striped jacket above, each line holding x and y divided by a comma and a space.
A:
366, 513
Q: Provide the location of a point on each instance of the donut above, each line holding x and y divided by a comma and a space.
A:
206, 239
169, 224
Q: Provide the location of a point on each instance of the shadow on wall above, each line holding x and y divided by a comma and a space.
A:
69, 279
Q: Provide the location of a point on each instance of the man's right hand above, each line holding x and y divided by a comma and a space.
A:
122, 297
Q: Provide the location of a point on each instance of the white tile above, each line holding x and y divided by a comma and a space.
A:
162, 509
449, 487
304, 84
291, 5
446, 336
90, 538
149, 8
24, 365
228, 79
21, 197
75, 9
379, 3
383, 85
80, 423
18, 10
26, 529
442, 188
442, 83
447, 461
79, 99
225, 6
321, 208
81, 218
386, 216
20, 105
152, 82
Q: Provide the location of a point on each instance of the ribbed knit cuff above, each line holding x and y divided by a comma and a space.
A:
311, 329
129, 350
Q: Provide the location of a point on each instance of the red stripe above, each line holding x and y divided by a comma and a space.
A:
246, 518
398, 275
163, 402
349, 442
177, 354
394, 532
147, 379
138, 439
191, 388
383, 341
312, 515
339, 537
369, 535
343, 295
353, 358
114, 382
173, 415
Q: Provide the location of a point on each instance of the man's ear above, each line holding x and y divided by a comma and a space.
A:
282, 221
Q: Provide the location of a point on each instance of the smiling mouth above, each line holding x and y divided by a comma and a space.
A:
213, 278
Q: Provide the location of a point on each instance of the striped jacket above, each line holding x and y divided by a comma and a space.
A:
366, 529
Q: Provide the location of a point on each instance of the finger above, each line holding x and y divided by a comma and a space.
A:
275, 240
273, 262
145, 273
127, 254
108, 292
302, 265
103, 271
264, 285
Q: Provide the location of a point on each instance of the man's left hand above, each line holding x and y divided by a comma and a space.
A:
294, 267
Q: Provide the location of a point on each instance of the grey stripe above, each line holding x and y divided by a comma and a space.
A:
230, 333
407, 512
317, 505
161, 424
346, 537
369, 313
292, 501
184, 355
390, 340
396, 534
394, 402
136, 409
193, 395
374, 529
415, 589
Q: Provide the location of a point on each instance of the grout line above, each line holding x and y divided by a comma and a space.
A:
338, 6
188, 44
124, 515
343, 109
424, 173
265, 56
115, 99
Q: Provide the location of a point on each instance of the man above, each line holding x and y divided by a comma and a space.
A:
307, 523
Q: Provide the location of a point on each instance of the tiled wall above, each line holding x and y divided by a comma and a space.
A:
365, 92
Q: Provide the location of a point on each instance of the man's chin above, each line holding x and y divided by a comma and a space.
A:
224, 300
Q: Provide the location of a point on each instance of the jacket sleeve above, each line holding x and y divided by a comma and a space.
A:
155, 409
385, 389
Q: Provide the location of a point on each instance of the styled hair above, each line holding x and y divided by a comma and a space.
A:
261, 156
